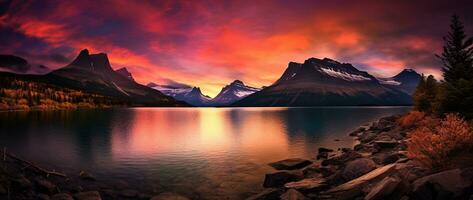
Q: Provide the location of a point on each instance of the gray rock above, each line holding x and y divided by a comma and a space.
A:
292, 194
278, 179
62, 196
386, 158
316, 170
450, 184
90, 195
383, 189
385, 144
357, 168
308, 184
290, 164
341, 159
45, 186
365, 148
366, 137
354, 188
169, 196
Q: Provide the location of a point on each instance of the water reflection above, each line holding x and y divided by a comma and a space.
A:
198, 152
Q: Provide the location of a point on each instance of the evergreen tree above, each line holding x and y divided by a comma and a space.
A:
420, 98
457, 58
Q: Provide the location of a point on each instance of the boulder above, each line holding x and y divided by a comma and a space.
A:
450, 184
90, 195
278, 179
169, 196
268, 193
45, 186
383, 189
322, 155
62, 196
358, 131
385, 144
354, 188
86, 176
308, 184
357, 168
341, 159
290, 164
323, 149
317, 170
292, 194
365, 148
367, 136
386, 158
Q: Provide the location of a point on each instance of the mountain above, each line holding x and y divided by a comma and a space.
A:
93, 73
325, 82
15, 64
124, 72
183, 92
233, 92
405, 81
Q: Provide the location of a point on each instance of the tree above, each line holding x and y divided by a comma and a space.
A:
457, 58
425, 94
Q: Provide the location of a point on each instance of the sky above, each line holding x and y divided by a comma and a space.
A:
211, 43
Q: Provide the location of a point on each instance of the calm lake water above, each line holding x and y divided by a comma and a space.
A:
203, 153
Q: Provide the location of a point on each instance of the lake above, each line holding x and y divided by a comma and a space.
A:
202, 153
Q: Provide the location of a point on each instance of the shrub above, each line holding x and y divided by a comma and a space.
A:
437, 145
411, 120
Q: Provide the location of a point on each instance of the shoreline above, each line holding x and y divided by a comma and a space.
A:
22, 179
376, 167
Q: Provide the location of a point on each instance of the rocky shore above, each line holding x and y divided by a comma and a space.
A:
376, 168
24, 180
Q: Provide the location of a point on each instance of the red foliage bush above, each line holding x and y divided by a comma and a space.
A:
436, 145
411, 120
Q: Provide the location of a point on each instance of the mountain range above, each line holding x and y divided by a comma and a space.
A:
229, 94
326, 82
92, 73
315, 82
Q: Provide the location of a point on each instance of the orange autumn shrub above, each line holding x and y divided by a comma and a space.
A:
411, 120
435, 146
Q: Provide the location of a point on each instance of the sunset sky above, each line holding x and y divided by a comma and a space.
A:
211, 43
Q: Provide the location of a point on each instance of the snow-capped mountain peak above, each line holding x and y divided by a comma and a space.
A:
233, 92
183, 92
324, 69
406, 80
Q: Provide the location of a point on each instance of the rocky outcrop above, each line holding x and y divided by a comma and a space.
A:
290, 164
376, 169
278, 179
451, 184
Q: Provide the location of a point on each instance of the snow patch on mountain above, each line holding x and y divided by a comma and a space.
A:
344, 75
389, 82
